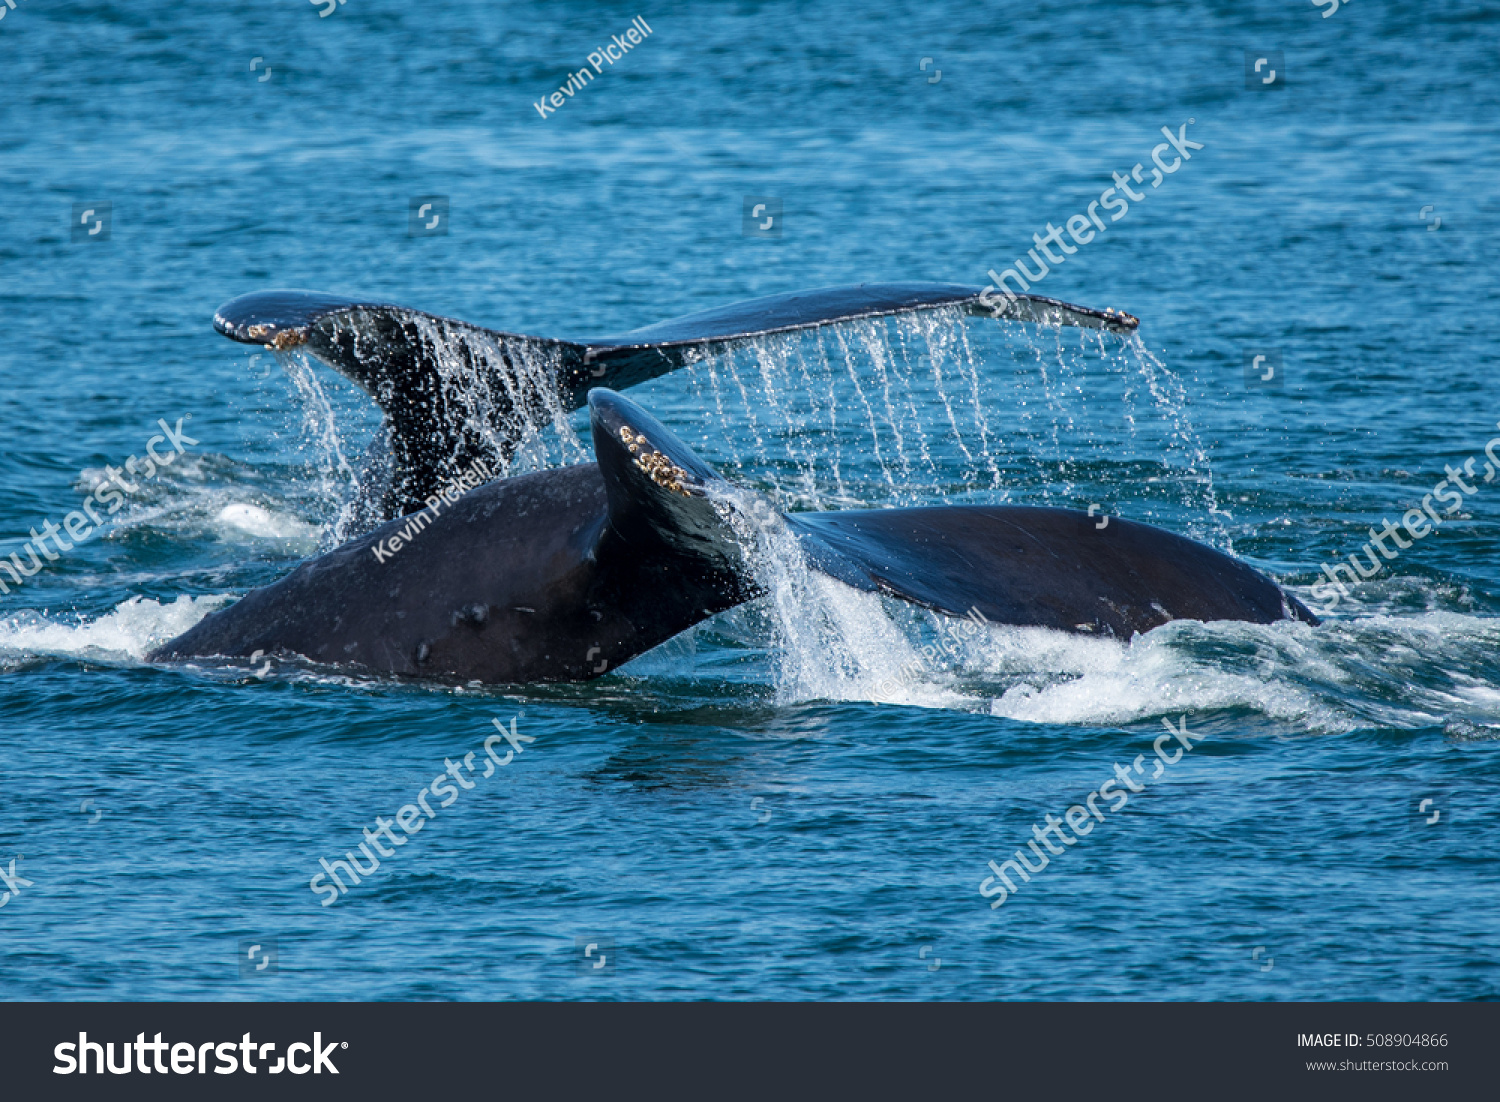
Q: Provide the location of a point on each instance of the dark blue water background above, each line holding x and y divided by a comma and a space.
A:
774, 805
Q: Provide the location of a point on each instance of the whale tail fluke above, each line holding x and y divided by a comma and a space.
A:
1040, 567
455, 393
662, 510
1016, 565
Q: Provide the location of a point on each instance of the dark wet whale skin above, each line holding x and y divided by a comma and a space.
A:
562, 575
520, 581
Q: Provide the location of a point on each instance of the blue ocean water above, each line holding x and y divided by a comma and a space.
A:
793, 800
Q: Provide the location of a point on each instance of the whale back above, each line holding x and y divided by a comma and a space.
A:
558, 575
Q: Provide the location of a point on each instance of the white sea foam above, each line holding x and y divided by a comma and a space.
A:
253, 520
1317, 679
828, 641
1070, 680
125, 635
207, 495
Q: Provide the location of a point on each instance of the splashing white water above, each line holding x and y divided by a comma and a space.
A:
480, 378
840, 416
253, 520
1170, 397
206, 495
829, 640
337, 479
505, 396
914, 408
125, 635
935, 406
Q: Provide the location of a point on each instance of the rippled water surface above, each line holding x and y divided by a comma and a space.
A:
799, 797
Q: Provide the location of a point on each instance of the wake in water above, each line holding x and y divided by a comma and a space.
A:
227, 503
821, 640
121, 637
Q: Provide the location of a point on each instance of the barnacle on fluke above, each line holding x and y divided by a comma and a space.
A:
656, 466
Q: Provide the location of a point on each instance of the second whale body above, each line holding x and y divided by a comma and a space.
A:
565, 574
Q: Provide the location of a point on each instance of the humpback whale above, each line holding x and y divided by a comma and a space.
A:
456, 394
564, 574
